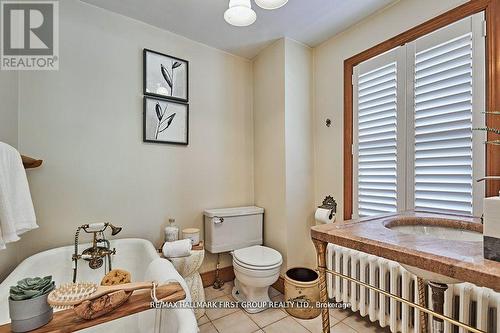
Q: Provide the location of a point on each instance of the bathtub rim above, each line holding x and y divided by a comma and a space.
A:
150, 248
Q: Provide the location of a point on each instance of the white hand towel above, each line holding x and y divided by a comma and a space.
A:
179, 319
17, 214
163, 271
2, 243
180, 248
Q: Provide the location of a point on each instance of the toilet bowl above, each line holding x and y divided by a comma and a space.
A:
256, 268
238, 230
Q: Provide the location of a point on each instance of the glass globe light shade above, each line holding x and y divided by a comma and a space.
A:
271, 4
240, 13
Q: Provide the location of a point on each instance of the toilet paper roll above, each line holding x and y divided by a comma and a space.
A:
323, 216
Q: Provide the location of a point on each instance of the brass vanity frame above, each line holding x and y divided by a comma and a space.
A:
323, 293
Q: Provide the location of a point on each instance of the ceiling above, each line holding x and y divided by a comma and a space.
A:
308, 21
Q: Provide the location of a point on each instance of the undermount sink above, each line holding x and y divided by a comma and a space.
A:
439, 230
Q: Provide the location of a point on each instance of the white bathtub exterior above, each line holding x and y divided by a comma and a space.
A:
137, 256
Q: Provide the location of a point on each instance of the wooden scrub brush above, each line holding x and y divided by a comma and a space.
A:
72, 294
90, 301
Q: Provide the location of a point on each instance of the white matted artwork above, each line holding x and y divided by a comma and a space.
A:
165, 76
165, 121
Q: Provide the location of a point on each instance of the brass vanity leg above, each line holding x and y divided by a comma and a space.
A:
323, 294
421, 301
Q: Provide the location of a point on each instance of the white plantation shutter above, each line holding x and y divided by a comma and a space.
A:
376, 131
448, 95
443, 127
414, 110
377, 97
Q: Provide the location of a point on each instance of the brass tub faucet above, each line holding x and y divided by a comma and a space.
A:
100, 246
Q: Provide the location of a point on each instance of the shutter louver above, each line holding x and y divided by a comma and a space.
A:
377, 124
443, 127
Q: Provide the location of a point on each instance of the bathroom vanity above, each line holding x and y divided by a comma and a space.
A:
438, 248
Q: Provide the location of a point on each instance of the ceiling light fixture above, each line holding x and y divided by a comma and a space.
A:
271, 4
240, 13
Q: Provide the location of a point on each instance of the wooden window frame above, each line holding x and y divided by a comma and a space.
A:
492, 14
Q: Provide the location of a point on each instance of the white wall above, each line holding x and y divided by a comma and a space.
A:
85, 121
328, 83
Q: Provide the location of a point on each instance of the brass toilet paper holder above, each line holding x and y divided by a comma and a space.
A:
330, 204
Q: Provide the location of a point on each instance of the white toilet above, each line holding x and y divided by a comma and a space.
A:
239, 230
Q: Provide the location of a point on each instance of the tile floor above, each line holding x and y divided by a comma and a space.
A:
275, 320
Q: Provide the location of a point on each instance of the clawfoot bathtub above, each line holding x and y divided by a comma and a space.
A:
138, 256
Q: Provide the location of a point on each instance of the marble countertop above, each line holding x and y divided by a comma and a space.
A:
461, 260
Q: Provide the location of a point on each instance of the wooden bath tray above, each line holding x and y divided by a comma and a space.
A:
66, 321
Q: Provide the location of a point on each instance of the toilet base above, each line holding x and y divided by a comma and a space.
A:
244, 294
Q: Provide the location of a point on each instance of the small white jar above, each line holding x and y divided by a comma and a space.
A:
193, 234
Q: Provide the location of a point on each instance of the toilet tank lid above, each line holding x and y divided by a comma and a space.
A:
233, 211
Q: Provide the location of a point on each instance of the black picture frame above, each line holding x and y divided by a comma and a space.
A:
145, 137
145, 76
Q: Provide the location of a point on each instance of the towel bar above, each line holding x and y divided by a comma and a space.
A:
30, 163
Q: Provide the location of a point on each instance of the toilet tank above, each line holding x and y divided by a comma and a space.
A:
228, 229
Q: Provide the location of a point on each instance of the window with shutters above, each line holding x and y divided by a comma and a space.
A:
415, 108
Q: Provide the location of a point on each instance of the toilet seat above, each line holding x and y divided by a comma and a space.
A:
257, 258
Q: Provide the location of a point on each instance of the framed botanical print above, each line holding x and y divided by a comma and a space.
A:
165, 121
165, 76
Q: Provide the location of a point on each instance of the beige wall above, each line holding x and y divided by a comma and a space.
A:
328, 83
283, 148
253, 136
9, 81
298, 160
299, 154
269, 146
85, 121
